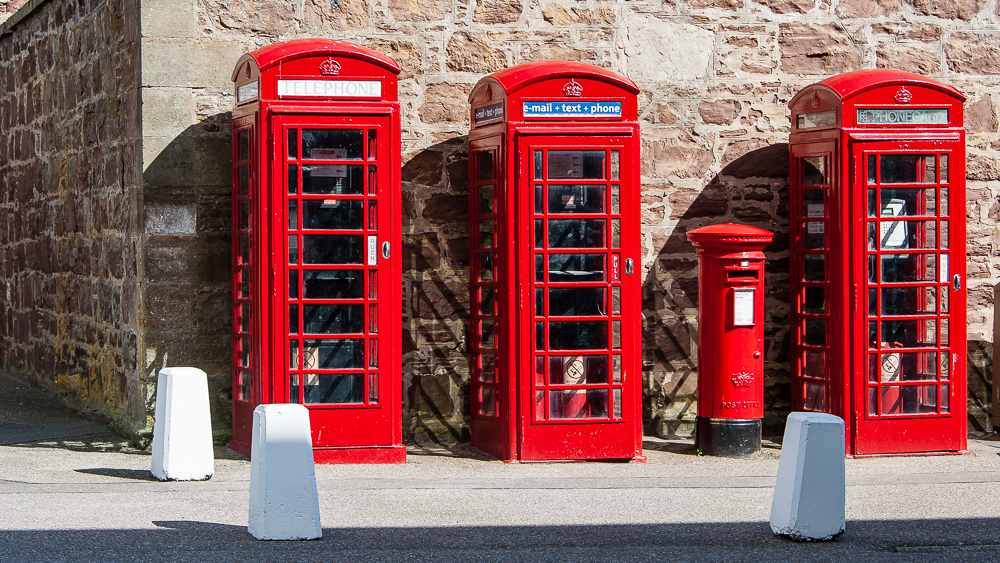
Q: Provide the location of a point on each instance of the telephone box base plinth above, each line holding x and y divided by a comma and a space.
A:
728, 438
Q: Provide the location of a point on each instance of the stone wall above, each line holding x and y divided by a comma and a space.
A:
69, 216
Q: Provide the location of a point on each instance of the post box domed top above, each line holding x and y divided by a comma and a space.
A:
851, 84
277, 53
520, 76
730, 236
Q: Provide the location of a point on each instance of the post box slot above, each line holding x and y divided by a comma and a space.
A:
734, 275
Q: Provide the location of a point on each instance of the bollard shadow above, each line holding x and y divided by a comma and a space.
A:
752, 189
133, 474
972, 539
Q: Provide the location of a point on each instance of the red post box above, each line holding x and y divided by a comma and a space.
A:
316, 232
878, 259
554, 205
730, 338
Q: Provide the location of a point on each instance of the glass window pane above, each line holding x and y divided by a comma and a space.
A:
813, 204
568, 198
333, 284
814, 364
293, 319
815, 399
616, 233
539, 370
486, 234
576, 233
333, 319
814, 267
488, 334
539, 198
945, 365
617, 369
332, 249
333, 143
293, 249
944, 200
338, 353
539, 302
485, 199
576, 301
909, 334
582, 165
538, 165
540, 233
293, 284
813, 170
815, 235
244, 215
814, 302
944, 168
484, 165
487, 301
336, 179
293, 215
539, 336
293, 355
616, 335
615, 167
945, 399
578, 335
872, 170
293, 144
815, 332
244, 180
372, 144
908, 400
907, 169
944, 234
909, 268
488, 370
909, 300
539, 268
578, 370
576, 267
328, 388
486, 267
573, 403
344, 214
908, 201
616, 300
487, 401
615, 199
244, 145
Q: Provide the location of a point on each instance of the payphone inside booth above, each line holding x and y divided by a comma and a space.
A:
554, 228
878, 259
316, 232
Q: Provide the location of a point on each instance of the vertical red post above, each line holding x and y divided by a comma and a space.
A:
730, 338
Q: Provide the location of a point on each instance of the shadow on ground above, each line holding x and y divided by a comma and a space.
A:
972, 539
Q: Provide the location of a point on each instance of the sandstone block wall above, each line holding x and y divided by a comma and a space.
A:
71, 205
716, 77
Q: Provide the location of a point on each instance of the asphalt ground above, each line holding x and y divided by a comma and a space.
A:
72, 491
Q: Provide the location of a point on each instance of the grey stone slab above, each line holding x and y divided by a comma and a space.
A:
196, 63
169, 18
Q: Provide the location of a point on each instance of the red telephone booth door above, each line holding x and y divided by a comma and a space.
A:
333, 240
579, 298
910, 394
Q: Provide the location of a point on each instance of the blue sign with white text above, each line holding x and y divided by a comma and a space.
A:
576, 108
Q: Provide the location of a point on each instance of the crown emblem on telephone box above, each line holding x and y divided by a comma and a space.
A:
329, 67
904, 96
742, 379
573, 89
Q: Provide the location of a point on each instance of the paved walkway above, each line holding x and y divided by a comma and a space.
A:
81, 494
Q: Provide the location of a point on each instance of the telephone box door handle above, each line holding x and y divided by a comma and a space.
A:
628, 266
956, 282
385, 250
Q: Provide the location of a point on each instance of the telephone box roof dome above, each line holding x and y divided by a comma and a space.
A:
516, 77
852, 83
278, 53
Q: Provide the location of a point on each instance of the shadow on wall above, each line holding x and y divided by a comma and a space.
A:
187, 247
751, 190
435, 218
980, 384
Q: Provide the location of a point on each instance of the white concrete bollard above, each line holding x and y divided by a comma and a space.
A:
284, 504
182, 429
808, 500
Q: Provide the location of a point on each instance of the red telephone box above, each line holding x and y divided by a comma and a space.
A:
730, 338
878, 259
554, 225
316, 232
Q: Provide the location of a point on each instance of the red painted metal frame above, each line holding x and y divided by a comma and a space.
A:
267, 116
512, 433
845, 144
731, 259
